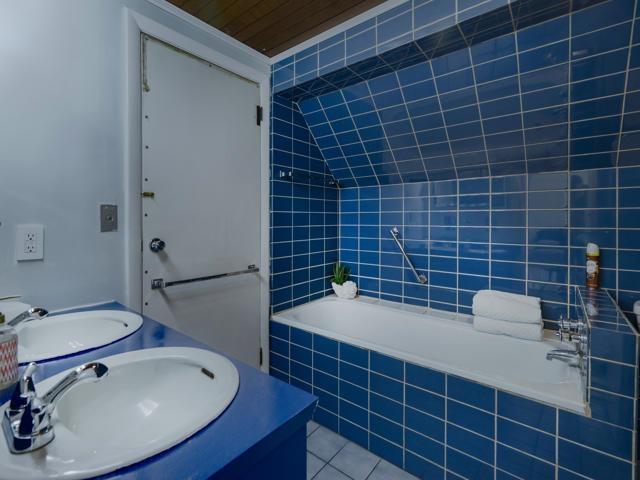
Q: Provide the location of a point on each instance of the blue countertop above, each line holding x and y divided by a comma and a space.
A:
264, 413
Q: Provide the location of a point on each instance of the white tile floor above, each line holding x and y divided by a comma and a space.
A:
332, 457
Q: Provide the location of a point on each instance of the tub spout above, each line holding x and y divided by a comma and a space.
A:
572, 358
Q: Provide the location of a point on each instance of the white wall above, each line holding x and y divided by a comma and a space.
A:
62, 100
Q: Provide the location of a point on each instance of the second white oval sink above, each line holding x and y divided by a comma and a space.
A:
72, 333
149, 401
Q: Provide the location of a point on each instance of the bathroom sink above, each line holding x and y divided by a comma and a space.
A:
72, 333
149, 401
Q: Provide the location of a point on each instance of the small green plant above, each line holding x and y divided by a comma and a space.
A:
340, 273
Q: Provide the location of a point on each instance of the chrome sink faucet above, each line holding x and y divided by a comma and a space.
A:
34, 313
27, 420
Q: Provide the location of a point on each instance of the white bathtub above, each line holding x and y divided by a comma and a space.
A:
445, 342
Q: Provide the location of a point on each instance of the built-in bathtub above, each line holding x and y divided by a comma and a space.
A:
421, 389
448, 343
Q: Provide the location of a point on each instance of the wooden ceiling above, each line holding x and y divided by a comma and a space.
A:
273, 26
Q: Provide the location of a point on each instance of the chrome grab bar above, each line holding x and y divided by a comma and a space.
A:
159, 283
395, 233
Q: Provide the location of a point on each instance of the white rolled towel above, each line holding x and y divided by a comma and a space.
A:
535, 301
525, 331
507, 307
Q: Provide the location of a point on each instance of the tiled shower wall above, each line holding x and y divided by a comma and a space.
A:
519, 233
304, 212
498, 165
561, 96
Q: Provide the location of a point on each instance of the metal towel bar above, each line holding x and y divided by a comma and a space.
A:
395, 233
159, 283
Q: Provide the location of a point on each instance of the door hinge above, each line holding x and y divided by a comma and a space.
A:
260, 356
258, 115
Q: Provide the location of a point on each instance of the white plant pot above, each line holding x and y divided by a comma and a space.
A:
347, 290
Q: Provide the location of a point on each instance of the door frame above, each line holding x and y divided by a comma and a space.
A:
135, 25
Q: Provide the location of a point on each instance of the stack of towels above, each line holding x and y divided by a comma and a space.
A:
507, 314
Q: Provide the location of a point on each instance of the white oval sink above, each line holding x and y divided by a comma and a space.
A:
150, 401
72, 333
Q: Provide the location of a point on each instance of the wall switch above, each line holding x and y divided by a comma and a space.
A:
29, 242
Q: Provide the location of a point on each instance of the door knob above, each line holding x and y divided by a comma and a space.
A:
156, 245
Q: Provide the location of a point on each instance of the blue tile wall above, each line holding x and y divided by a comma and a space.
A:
436, 425
304, 212
499, 137
558, 95
518, 233
407, 34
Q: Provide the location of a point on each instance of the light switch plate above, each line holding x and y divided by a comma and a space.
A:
29, 242
108, 218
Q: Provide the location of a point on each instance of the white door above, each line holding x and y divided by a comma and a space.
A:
201, 199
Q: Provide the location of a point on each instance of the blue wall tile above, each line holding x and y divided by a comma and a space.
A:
471, 418
591, 463
612, 377
427, 425
470, 443
472, 393
325, 345
521, 465
595, 434
527, 412
468, 467
386, 365
528, 440
297, 264
355, 355
425, 401
543, 212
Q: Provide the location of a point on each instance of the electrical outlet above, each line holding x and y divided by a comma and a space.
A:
29, 242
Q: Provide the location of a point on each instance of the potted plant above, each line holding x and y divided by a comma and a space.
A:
342, 286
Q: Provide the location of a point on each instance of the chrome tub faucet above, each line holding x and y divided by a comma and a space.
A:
27, 420
572, 358
573, 332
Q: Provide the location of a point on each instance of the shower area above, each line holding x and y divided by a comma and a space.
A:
492, 140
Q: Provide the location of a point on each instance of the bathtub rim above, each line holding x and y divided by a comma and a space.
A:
457, 321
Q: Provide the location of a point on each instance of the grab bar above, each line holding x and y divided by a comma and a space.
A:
159, 283
421, 278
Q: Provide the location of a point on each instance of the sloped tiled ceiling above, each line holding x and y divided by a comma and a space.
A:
548, 97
